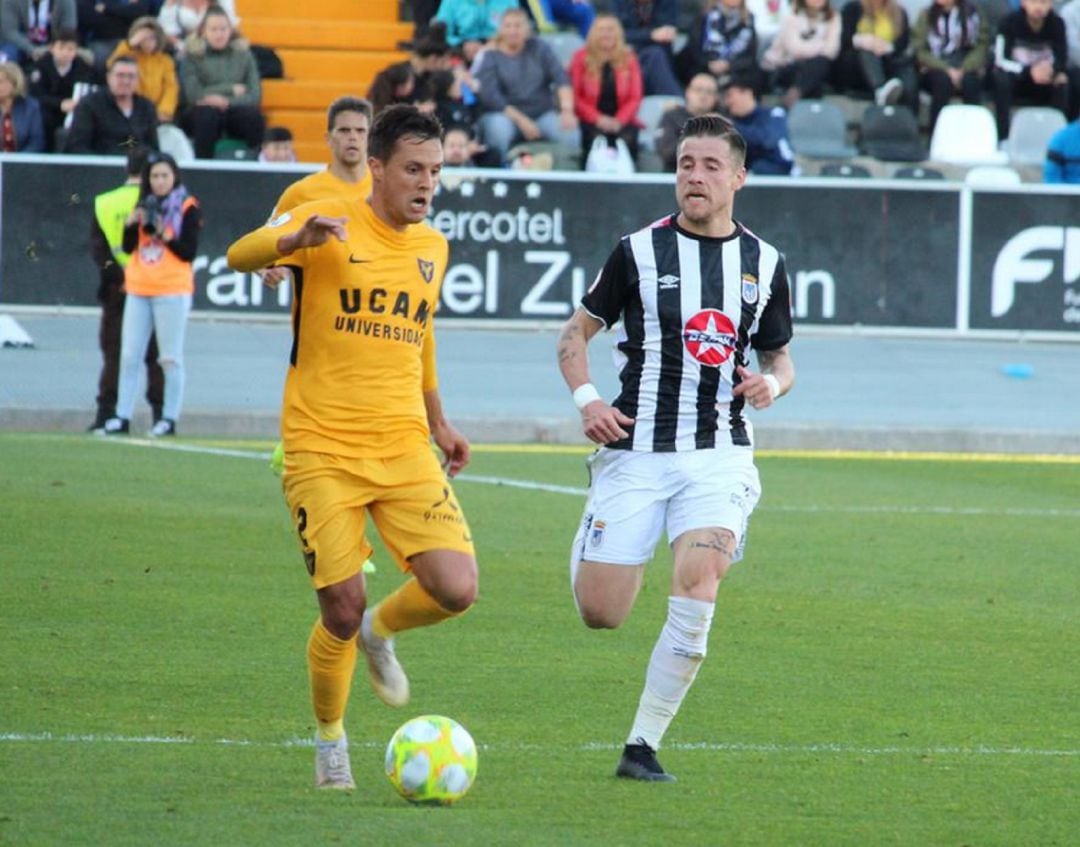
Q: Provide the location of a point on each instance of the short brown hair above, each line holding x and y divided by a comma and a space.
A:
716, 126
399, 121
347, 104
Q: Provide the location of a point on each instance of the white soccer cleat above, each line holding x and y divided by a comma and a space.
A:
384, 670
332, 768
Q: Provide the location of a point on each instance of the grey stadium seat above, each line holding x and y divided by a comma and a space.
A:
1030, 132
650, 112
818, 129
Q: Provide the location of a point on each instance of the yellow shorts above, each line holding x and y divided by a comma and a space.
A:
409, 498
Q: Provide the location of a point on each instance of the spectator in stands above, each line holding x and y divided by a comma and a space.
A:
111, 120
105, 23
221, 86
768, 147
111, 210
432, 52
722, 41
551, 14
157, 70
20, 116
395, 84
53, 82
470, 24
702, 96
769, 16
181, 19
649, 27
422, 13
26, 27
460, 147
277, 145
951, 40
162, 236
875, 52
607, 87
1063, 156
1030, 59
802, 54
520, 80
452, 108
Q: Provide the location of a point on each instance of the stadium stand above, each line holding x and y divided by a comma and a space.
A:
329, 49
842, 169
989, 176
891, 134
916, 172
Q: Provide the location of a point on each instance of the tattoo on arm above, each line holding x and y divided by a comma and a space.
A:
571, 335
767, 358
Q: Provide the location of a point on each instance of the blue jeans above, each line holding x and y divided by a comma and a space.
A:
167, 317
500, 133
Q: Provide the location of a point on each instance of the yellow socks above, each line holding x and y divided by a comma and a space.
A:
407, 608
330, 669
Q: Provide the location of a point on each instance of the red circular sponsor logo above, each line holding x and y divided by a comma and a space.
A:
709, 337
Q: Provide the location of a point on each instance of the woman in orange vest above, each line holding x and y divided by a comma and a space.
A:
162, 235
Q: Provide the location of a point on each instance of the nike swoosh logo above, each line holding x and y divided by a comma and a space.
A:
353, 260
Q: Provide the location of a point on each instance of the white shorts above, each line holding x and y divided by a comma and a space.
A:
635, 496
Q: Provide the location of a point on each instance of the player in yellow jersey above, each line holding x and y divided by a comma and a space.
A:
348, 121
361, 406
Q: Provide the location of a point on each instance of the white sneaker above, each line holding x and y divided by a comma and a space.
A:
332, 768
163, 427
889, 94
384, 670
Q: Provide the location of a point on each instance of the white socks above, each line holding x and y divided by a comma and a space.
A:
675, 660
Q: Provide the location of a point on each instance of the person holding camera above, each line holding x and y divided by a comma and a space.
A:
162, 234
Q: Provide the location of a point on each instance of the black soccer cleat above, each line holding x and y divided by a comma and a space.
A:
639, 762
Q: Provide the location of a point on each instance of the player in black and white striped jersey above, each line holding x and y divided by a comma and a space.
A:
692, 295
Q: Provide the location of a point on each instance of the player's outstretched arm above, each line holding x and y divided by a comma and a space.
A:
600, 422
776, 379
454, 445
267, 244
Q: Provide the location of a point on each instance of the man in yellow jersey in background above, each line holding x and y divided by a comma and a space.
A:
348, 121
361, 406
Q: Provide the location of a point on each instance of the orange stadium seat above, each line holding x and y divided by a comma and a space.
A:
329, 48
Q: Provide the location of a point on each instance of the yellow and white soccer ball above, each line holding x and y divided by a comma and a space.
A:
431, 759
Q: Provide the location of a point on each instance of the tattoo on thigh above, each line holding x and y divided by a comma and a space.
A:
721, 542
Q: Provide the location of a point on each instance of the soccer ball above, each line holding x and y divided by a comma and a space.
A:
431, 760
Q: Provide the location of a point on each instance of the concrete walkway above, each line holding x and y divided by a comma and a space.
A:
853, 392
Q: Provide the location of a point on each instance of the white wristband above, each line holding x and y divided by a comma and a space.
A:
585, 394
773, 383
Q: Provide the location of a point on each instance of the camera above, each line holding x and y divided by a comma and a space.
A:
151, 209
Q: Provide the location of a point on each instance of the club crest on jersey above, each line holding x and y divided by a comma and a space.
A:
749, 288
710, 337
427, 269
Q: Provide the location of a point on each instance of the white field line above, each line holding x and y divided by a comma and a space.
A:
529, 485
709, 746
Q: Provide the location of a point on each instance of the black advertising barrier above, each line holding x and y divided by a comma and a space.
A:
46, 212
525, 246
1026, 273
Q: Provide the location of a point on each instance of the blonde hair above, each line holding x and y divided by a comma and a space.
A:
619, 56
15, 76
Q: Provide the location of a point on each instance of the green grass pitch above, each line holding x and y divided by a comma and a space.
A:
896, 662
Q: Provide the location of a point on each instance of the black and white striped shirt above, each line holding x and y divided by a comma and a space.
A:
691, 307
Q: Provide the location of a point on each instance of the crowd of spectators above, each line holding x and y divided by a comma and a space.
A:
102, 77
81, 76
758, 56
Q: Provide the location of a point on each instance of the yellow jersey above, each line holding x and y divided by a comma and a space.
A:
321, 185
363, 350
